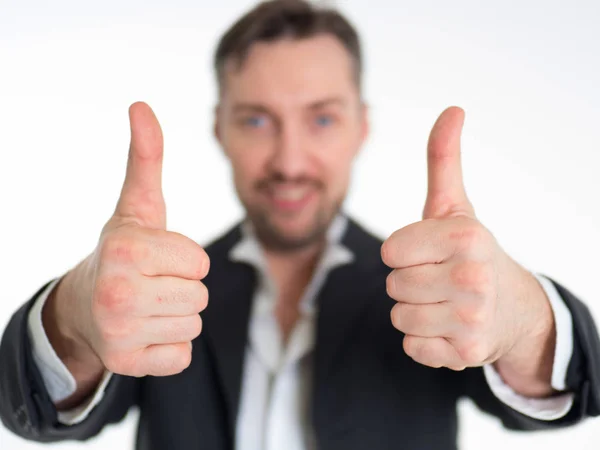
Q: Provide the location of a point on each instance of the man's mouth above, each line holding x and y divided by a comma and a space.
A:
289, 193
290, 198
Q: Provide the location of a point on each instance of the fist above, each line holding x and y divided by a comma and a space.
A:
458, 294
142, 289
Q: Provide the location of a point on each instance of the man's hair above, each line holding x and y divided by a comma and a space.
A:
274, 20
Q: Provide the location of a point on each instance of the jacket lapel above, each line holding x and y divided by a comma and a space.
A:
342, 299
225, 321
341, 304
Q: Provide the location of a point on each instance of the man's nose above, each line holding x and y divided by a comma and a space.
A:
290, 156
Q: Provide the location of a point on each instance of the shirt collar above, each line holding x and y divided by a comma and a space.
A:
249, 250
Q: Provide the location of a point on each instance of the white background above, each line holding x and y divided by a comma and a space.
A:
526, 73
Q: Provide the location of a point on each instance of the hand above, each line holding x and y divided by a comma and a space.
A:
462, 301
134, 302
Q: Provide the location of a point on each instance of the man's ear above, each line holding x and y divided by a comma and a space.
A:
217, 128
216, 124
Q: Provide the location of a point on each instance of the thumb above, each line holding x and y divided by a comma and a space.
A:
446, 194
141, 197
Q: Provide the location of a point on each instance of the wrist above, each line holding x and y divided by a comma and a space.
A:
528, 366
61, 319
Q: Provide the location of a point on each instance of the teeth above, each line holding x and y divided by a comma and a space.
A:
292, 194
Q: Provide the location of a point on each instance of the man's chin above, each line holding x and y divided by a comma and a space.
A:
288, 237
285, 241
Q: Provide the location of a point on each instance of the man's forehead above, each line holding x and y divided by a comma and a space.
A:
302, 70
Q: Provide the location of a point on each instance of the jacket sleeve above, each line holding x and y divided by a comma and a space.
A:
25, 405
583, 376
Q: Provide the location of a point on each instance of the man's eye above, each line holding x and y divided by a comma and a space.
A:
324, 121
255, 121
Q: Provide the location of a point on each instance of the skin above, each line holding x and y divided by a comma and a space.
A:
462, 301
291, 122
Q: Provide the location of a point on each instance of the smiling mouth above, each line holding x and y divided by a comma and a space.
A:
289, 193
290, 198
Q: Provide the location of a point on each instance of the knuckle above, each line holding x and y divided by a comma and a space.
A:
418, 316
385, 252
202, 298
417, 278
121, 363
427, 354
473, 316
473, 277
390, 252
418, 350
412, 347
183, 329
469, 236
112, 363
176, 294
115, 330
172, 331
181, 360
196, 327
390, 284
203, 263
188, 254
166, 250
114, 294
472, 353
162, 366
394, 316
409, 346
120, 248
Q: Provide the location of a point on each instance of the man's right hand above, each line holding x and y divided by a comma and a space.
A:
132, 305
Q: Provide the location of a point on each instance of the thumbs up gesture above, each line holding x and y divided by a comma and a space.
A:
134, 302
461, 300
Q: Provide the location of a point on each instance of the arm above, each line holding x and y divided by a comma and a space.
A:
581, 383
555, 356
69, 388
26, 407
71, 368
131, 307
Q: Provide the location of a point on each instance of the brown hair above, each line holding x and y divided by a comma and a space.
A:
279, 19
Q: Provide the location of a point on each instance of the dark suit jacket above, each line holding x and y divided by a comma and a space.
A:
368, 394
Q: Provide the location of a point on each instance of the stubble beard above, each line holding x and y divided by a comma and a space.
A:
274, 239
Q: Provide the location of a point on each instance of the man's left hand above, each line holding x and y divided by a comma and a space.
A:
461, 300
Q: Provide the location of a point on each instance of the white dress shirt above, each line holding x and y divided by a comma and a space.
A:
274, 409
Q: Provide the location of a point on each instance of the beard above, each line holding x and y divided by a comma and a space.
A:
275, 236
276, 239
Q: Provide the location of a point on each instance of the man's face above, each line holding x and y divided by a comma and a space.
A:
291, 121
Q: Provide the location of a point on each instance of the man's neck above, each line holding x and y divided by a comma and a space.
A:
293, 268
291, 272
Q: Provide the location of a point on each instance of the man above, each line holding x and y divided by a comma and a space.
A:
298, 349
